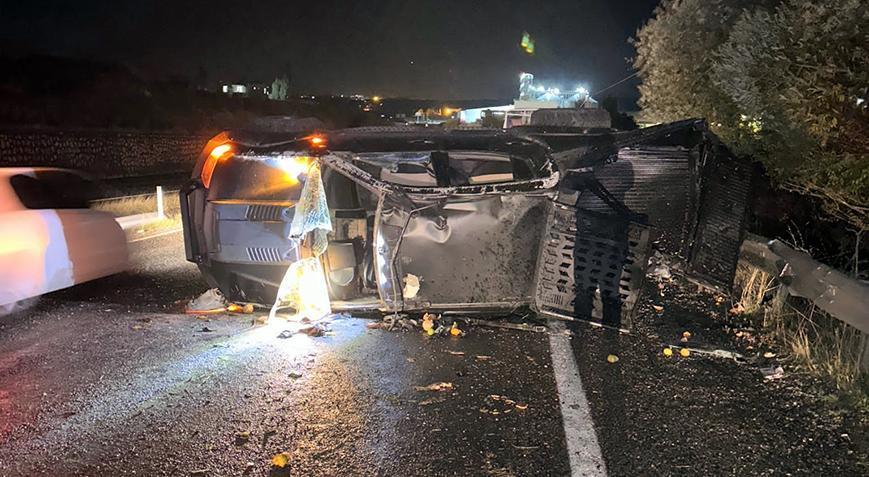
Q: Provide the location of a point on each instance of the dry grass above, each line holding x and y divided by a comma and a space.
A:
814, 339
139, 204
144, 204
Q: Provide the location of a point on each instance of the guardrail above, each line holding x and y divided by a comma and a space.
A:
841, 297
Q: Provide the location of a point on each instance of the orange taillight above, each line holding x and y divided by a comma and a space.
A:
216, 154
317, 141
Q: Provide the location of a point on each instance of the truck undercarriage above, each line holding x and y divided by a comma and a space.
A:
555, 220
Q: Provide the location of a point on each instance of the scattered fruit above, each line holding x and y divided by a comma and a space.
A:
281, 460
612, 358
684, 352
668, 352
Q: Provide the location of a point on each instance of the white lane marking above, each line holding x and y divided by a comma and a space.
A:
582, 446
160, 234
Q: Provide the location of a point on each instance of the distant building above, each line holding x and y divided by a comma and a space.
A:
245, 89
531, 98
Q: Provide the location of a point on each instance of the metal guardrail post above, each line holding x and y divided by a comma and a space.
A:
160, 210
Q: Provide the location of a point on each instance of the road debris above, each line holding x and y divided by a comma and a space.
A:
482, 357
658, 308
715, 353
660, 267
495, 404
455, 331
769, 355
313, 330
398, 321
212, 301
612, 358
456, 353
411, 286
508, 326
441, 386
281, 460
772, 373
205, 329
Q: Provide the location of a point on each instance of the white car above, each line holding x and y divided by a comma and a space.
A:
49, 238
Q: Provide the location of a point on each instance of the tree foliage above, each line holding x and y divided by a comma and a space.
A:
783, 81
280, 88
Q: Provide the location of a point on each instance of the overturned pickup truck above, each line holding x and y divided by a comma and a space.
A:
557, 220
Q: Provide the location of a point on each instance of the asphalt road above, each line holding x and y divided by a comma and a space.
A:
111, 378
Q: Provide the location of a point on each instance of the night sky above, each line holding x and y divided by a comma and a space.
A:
425, 49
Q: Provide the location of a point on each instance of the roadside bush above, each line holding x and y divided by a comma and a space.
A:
786, 82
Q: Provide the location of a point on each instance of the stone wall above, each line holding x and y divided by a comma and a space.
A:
104, 153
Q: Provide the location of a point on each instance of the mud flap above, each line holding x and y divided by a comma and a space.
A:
726, 184
591, 266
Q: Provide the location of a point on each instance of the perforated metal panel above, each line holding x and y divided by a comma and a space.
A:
591, 266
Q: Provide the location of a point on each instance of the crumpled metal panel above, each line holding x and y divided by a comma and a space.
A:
478, 251
389, 225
